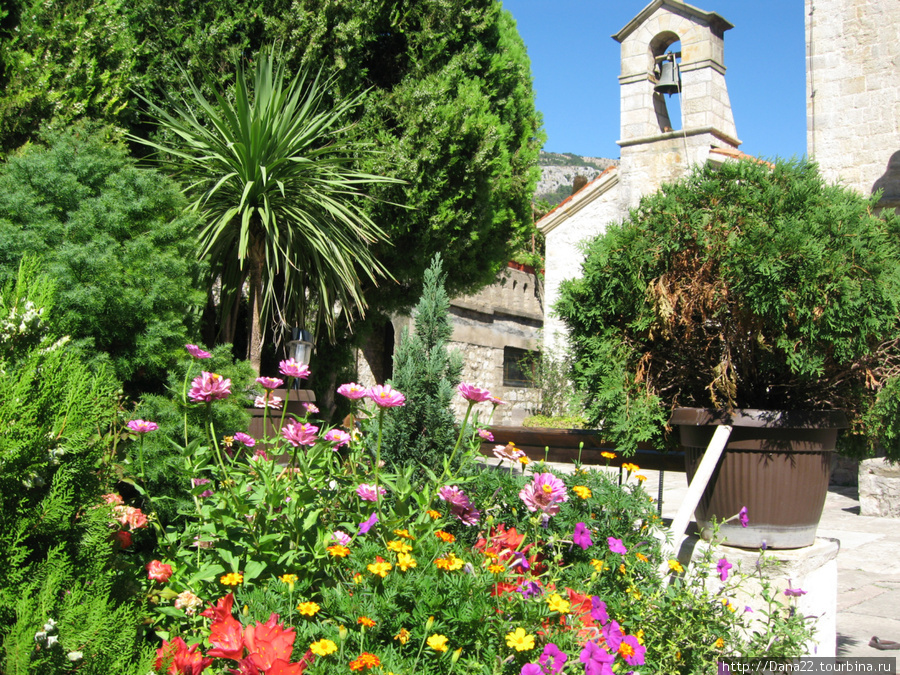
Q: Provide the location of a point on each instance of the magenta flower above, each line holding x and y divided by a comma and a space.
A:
722, 568
743, 517
635, 655
529, 589
386, 397
300, 434
268, 401
616, 545
532, 669
292, 368
197, 353
367, 525
196, 482
246, 439
486, 435
582, 536
794, 592
612, 633
496, 401
269, 383
460, 506
209, 387
472, 393
309, 408
553, 660
261, 454
545, 493
596, 660
352, 390
341, 537
338, 437
142, 426
598, 610
366, 491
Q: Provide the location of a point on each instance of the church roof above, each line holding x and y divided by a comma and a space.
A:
715, 20
574, 203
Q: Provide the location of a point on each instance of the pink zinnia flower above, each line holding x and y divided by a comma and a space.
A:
366, 491
300, 434
269, 383
472, 393
261, 454
158, 571
142, 426
246, 439
386, 397
352, 390
268, 400
292, 368
545, 493
196, 482
209, 387
338, 437
197, 353
508, 453
309, 408
486, 435
341, 537
459, 503
496, 401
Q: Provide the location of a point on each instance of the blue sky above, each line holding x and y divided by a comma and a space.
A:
575, 64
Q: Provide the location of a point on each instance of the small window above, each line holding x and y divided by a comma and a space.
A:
519, 367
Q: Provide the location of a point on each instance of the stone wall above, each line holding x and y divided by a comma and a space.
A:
853, 98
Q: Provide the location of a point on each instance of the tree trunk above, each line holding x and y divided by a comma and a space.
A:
254, 346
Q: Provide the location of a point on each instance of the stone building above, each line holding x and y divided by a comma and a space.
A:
853, 98
656, 147
497, 329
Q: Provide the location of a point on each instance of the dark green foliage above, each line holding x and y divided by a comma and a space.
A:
749, 286
62, 61
424, 430
116, 242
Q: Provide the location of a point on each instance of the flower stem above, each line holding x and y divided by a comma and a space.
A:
462, 430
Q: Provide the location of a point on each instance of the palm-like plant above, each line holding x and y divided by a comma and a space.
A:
272, 173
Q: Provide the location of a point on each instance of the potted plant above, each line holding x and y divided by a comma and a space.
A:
747, 287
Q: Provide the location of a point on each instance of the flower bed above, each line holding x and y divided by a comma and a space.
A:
332, 563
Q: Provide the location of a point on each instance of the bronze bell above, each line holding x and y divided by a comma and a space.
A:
669, 79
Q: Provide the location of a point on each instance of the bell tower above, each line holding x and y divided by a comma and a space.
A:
660, 141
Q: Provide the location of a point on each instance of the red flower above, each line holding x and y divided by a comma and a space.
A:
268, 642
225, 632
177, 659
124, 538
158, 571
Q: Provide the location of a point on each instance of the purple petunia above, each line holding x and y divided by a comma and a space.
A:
367, 525
794, 592
743, 517
598, 611
722, 568
616, 545
582, 536
596, 660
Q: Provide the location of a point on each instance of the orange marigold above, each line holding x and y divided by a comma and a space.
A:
445, 536
365, 621
404, 533
434, 514
365, 660
338, 551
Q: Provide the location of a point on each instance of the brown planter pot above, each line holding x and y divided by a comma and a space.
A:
294, 407
777, 464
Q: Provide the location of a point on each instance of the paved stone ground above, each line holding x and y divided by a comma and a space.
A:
868, 600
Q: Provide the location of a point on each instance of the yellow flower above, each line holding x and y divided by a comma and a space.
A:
403, 636
380, 567
308, 608
524, 461
641, 557
338, 551
640, 636
556, 603
496, 569
675, 566
608, 455
399, 546
625, 650
405, 561
622, 568
404, 534
634, 593
323, 647
597, 564
434, 514
630, 468
445, 536
520, 640
450, 563
641, 477
357, 578
365, 621
289, 579
438, 642
720, 643
582, 491
232, 579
